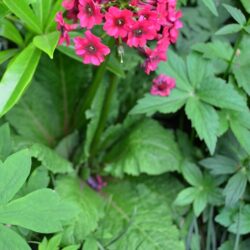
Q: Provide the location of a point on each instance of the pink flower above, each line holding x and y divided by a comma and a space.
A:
117, 22
91, 49
96, 182
150, 15
140, 31
162, 85
68, 4
64, 28
72, 9
89, 14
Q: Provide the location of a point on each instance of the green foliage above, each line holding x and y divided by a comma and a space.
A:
135, 214
148, 148
183, 170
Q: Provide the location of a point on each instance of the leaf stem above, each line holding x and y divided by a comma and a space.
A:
104, 114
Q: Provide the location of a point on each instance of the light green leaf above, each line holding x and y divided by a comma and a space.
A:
90, 208
4, 11
237, 14
90, 244
246, 5
136, 213
216, 92
51, 24
10, 240
5, 142
51, 244
215, 49
186, 196
7, 54
220, 165
40, 211
9, 31
72, 247
200, 203
147, 148
177, 69
17, 77
13, 173
205, 121
235, 188
47, 42
42, 10
241, 66
242, 134
22, 10
50, 159
197, 69
150, 104
192, 173
211, 6
37, 180
229, 29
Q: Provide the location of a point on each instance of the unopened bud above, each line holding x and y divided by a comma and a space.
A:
121, 52
238, 52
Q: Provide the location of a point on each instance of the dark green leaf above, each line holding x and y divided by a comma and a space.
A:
237, 14
7, 54
211, 5
5, 142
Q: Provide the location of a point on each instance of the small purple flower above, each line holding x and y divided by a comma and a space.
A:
96, 182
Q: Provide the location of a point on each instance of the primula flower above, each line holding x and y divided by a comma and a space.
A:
117, 22
150, 15
91, 49
64, 28
140, 32
162, 85
89, 14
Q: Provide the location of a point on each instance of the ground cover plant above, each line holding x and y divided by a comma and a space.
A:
124, 124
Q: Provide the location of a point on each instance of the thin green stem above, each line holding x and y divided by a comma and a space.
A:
237, 239
104, 114
85, 103
210, 241
236, 47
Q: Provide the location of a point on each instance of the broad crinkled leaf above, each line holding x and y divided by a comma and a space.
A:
205, 120
40, 211
58, 85
147, 148
50, 159
89, 204
10, 240
138, 217
13, 173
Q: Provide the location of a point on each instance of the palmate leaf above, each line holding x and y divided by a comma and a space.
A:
138, 216
199, 91
57, 85
147, 148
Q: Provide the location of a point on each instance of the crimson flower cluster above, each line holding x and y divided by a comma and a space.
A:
150, 26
